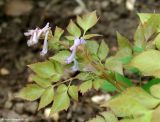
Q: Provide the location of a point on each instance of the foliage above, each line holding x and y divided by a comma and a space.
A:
136, 105
78, 51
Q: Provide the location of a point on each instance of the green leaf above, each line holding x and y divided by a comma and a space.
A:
53, 41
97, 83
124, 55
155, 90
103, 50
31, 92
46, 98
92, 46
108, 87
43, 69
104, 117
61, 100
62, 88
73, 29
157, 41
139, 39
112, 63
88, 36
133, 70
147, 62
123, 42
150, 45
150, 27
83, 76
59, 69
58, 32
147, 117
70, 37
87, 21
150, 83
73, 92
97, 119
61, 56
144, 17
124, 105
150, 17
81, 22
85, 86
121, 78
55, 77
109, 116
138, 49
155, 116
142, 97
43, 82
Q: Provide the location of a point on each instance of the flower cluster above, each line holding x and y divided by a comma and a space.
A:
37, 33
35, 36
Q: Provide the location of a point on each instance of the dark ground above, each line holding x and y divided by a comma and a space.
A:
15, 55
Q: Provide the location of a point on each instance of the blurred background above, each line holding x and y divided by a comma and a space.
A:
16, 16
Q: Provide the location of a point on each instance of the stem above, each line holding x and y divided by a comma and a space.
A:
118, 84
69, 84
84, 33
70, 79
65, 45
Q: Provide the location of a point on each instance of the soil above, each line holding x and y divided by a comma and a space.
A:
15, 55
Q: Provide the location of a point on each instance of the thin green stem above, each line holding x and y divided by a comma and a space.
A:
84, 33
119, 85
68, 80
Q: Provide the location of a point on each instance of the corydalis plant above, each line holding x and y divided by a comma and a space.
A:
78, 51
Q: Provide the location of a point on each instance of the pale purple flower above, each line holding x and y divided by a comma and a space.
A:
73, 48
77, 42
71, 57
75, 66
35, 36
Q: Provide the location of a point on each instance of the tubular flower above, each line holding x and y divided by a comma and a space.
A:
75, 66
35, 36
73, 48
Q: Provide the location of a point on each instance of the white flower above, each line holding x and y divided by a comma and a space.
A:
45, 45
35, 36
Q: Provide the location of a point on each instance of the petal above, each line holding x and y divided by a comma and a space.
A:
82, 41
77, 42
45, 45
45, 28
29, 33
71, 57
75, 66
